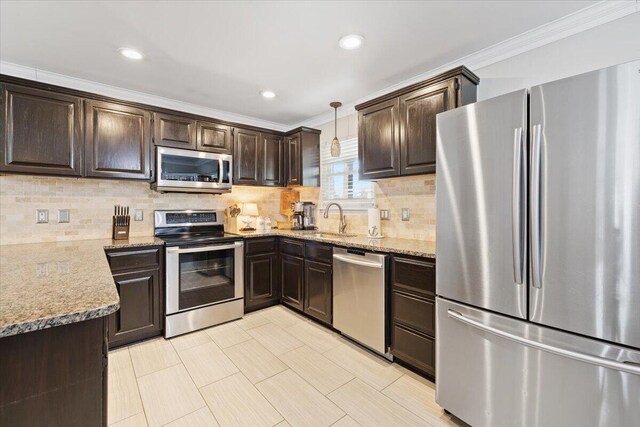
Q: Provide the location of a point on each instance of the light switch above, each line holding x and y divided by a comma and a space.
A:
42, 216
384, 213
138, 215
64, 215
405, 214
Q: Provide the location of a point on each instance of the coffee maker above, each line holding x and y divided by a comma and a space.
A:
304, 216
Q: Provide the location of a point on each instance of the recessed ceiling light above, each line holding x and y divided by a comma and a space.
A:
130, 53
351, 41
268, 94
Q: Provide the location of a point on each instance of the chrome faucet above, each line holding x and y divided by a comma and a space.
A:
343, 223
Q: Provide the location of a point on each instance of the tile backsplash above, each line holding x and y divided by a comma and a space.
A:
91, 201
418, 193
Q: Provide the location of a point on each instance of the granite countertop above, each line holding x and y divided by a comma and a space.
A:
43, 285
419, 248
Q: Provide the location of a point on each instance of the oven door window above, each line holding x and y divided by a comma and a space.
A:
206, 278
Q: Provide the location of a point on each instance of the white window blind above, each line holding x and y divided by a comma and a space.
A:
339, 178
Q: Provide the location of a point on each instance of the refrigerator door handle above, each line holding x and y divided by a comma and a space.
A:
630, 368
535, 204
517, 220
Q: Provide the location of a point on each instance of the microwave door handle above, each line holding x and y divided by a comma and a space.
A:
177, 250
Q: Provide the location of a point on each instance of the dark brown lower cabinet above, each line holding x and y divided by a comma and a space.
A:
140, 314
55, 376
260, 282
413, 322
318, 290
138, 276
292, 280
416, 349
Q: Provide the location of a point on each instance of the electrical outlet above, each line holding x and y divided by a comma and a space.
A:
384, 213
405, 214
64, 215
42, 269
42, 216
138, 215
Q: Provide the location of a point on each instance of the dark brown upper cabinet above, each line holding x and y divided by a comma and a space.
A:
174, 131
213, 137
418, 111
293, 160
271, 160
246, 159
378, 137
117, 141
41, 131
302, 157
397, 131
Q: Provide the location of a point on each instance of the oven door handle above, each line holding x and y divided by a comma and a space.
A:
177, 250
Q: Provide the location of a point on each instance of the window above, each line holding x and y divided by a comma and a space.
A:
339, 178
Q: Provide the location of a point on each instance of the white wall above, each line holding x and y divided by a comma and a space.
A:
608, 44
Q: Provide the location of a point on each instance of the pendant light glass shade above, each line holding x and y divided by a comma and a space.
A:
335, 144
335, 148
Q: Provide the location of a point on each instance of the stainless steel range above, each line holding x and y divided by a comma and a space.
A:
204, 270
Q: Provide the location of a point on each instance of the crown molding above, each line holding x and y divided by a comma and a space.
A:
48, 77
566, 26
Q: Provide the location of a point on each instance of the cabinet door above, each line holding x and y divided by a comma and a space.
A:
271, 160
293, 161
414, 348
214, 137
318, 291
260, 281
117, 141
174, 131
378, 140
141, 307
41, 131
418, 111
246, 150
292, 280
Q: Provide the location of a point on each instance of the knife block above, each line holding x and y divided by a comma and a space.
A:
120, 232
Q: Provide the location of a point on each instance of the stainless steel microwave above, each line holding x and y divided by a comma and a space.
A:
192, 171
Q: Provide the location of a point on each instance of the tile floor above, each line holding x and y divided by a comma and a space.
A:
272, 368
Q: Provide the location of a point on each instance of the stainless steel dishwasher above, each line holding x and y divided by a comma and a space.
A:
360, 297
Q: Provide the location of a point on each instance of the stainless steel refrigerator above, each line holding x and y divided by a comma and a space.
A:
538, 254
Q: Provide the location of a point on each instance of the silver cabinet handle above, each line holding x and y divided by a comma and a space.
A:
630, 368
357, 262
535, 204
177, 250
517, 220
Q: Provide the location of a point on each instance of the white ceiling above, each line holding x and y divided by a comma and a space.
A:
222, 54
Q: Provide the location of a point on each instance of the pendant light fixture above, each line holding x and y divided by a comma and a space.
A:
335, 144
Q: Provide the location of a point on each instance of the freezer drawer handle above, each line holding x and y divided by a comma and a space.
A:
357, 262
598, 361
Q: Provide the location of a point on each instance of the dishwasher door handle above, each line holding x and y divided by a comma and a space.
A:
350, 260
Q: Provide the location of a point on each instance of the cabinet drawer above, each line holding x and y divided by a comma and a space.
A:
413, 348
414, 275
415, 312
134, 259
292, 247
260, 245
319, 252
